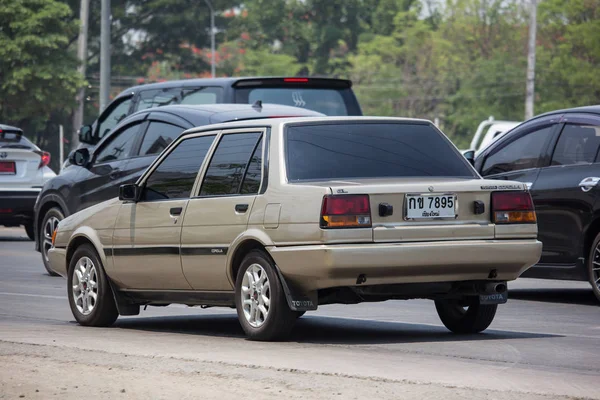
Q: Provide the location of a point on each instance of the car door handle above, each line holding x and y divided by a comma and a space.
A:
589, 183
114, 174
241, 208
175, 211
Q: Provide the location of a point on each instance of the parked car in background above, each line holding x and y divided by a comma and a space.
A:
488, 131
324, 95
276, 217
125, 153
23, 171
556, 155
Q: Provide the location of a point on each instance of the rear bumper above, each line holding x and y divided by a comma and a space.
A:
16, 205
325, 266
58, 260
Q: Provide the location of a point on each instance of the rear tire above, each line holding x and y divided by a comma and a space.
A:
90, 296
594, 266
30, 231
260, 301
474, 319
51, 219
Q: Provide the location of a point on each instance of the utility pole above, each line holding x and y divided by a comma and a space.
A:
105, 55
530, 90
82, 57
212, 37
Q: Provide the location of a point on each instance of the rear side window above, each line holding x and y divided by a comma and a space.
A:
228, 165
359, 150
157, 98
158, 136
175, 176
578, 144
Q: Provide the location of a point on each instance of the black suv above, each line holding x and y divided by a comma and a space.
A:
556, 154
324, 95
124, 154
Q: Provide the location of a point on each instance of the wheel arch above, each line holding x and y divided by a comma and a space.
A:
85, 235
590, 234
49, 201
242, 245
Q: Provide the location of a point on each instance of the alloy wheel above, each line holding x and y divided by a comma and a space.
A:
49, 227
596, 268
85, 285
256, 295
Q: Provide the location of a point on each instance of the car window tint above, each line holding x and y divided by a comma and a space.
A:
114, 116
522, 153
361, 150
158, 136
205, 95
175, 176
157, 98
578, 144
251, 184
326, 101
228, 164
119, 146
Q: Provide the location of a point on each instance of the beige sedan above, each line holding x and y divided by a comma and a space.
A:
276, 217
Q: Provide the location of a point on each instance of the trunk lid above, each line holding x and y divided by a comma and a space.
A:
420, 204
18, 167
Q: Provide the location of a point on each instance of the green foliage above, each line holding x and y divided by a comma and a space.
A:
38, 72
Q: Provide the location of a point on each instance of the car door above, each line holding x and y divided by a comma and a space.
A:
219, 212
520, 155
159, 131
566, 190
101, 179
146, 238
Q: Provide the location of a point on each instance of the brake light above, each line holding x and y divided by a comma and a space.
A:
346, 211
296, 80
45, 158
513, 208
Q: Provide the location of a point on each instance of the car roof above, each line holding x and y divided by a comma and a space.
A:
223, 112
10, 128
229, 81
278, 122
594, 109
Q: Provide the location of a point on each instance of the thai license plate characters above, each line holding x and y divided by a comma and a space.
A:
430, 206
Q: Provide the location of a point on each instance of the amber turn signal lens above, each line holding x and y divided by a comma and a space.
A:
347, 221
515, 217
54, 236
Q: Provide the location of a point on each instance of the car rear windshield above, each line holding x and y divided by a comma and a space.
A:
15, 140
370, 150
329, 101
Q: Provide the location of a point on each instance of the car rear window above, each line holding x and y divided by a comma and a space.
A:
15, 140
370, 150
329, 101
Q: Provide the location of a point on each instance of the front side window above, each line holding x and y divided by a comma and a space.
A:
251, 184
370, 150
113, 117
120, 146
158, 136
157, 98
522, 153
175, 176
228, 164
578, 144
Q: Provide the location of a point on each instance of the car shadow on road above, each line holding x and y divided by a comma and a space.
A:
321, 330
566, 296
15, 239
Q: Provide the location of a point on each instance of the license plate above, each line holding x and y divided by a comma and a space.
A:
428, 206
495, 298
7, 167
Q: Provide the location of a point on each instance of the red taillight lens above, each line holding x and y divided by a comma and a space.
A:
296, 80
346, 211
513, 208
45, 158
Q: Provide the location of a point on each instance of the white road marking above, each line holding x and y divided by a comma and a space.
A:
44, 296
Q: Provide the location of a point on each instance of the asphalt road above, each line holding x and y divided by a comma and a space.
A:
545, 341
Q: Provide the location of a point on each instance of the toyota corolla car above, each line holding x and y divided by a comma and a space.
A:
276, 217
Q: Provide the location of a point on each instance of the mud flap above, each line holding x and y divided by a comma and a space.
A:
123, 306
297, 299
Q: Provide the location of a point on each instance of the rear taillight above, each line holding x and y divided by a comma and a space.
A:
512, 208
346, 211
45, 158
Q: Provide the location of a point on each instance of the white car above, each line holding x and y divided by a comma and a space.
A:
495, 129
23, 171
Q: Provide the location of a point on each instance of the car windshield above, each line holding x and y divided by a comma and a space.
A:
329, 101
360, 150
15, 140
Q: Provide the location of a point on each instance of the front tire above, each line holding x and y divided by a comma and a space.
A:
594, 266
465, 316
90, 296
49, 223
260, 301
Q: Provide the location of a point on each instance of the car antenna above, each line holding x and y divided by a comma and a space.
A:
257, 104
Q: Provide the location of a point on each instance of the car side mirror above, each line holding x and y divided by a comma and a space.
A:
470, 156
85, 134
129, 192
80, 157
